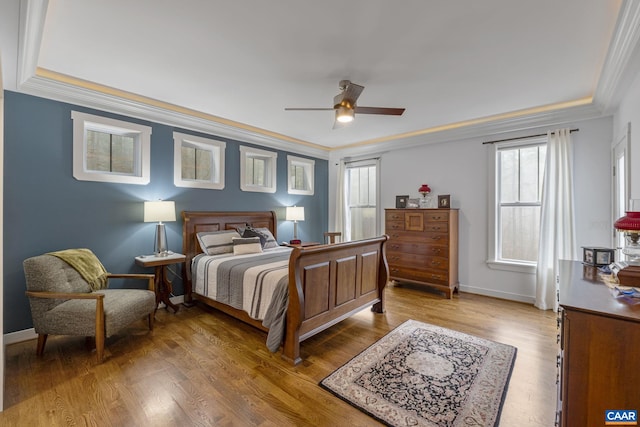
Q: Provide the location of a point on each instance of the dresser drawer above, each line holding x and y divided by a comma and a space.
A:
417, 260
411, 237
427, 275
441, 227
422, 249
434, 216
393, 225
394, 216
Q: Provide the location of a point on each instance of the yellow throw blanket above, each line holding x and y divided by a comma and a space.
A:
86, 264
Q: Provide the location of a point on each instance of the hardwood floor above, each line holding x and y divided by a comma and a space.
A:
201, 367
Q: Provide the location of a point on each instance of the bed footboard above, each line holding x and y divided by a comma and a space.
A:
329, 283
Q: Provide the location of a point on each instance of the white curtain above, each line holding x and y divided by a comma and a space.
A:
340, 212
557, 229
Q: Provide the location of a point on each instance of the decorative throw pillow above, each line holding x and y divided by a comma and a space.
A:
217, 242
246, 245
266, 238
252, 232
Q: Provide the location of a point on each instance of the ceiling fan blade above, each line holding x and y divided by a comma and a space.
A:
351, 93
379, 110
308, 109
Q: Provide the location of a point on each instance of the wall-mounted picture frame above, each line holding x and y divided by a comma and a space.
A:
413, 203
401, 201
444, 201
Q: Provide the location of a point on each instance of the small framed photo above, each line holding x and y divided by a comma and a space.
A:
597, 256
444, 201
413, 203
401, 201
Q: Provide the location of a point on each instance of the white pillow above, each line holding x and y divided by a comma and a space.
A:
217, 242
246, 245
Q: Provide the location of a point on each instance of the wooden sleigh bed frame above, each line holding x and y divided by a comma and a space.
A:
327, 283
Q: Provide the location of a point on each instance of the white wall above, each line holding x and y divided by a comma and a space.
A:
629, 112
460, 168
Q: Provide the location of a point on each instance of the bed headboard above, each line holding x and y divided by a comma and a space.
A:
195, 222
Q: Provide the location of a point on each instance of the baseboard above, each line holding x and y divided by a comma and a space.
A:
498, 294
19, 336
30, 334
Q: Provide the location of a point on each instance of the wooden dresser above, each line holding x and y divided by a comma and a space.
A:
598, 365
423, 247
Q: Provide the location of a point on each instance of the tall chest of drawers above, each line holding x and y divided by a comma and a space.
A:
423, 247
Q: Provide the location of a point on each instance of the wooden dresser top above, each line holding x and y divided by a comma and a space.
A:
581, 289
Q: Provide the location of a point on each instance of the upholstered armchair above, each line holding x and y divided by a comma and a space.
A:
68, 294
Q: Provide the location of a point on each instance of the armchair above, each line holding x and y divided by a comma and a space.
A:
64, 303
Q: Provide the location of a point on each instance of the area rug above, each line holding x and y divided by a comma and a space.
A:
425, 375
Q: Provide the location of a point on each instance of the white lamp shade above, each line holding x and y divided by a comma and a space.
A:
159, 211
344, 114
295, 213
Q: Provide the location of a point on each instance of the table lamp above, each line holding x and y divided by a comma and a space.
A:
160, 211
295, 214
629, 225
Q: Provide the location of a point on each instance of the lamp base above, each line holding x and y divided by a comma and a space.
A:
160, 248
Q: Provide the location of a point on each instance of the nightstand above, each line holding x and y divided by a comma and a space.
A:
302, 244
163, 284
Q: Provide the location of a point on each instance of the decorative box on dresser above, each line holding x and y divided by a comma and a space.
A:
599, 349
423, 247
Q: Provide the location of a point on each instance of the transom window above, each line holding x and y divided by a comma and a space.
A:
198, 162
519, 175
110, 150
257, 170
301, 175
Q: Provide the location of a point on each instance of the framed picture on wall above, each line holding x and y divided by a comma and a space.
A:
401, 201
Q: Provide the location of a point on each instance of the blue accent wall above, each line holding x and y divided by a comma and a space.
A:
46, 209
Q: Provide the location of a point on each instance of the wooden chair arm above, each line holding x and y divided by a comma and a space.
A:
65, 295
149, 277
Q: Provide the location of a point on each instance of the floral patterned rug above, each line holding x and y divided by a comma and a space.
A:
425, 375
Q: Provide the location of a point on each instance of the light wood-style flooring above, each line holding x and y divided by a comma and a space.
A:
200, 367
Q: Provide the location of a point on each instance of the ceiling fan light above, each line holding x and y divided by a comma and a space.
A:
344, 114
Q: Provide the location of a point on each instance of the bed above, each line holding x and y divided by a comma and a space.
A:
324, 284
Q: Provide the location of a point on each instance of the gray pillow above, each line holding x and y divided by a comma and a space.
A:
266, 238
217, 242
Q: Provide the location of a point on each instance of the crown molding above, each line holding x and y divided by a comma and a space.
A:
489, 129
624, 43
64, 92
50, 85
32, 17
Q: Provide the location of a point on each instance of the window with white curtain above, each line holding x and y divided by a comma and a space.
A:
361, 184
519, 171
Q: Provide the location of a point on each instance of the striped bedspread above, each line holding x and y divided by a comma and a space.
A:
255, 283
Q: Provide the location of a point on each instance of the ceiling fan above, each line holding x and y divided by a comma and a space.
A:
345, 106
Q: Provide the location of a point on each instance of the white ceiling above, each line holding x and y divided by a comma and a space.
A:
446, 62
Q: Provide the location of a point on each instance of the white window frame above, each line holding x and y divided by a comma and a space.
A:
217, 150
82, 122
270, 158
373, 162
308, 167
493, 260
